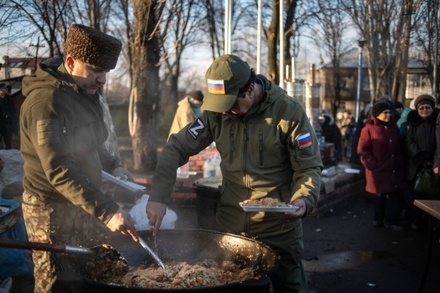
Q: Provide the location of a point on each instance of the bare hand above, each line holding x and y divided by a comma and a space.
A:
122, 222
122, 174
292, 216
435, 170
155, 213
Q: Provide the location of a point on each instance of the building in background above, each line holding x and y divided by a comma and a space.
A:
418, 81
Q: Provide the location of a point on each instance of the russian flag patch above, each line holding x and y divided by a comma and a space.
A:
304, 140
216, 87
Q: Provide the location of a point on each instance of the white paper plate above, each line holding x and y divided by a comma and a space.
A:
289, 208
125, 184
352, 171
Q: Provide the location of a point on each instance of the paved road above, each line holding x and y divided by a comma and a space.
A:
344, 253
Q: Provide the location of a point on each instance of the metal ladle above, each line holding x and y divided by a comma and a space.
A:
99, 253
151, 252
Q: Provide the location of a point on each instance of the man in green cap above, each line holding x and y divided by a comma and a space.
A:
268, 149
62, 136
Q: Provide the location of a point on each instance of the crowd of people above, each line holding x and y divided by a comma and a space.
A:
394, 143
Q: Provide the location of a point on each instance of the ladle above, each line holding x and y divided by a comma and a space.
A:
99, 253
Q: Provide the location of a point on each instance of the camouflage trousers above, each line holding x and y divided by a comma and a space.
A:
58, 222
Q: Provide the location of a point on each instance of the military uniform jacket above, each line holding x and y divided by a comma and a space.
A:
271, 151
62, 134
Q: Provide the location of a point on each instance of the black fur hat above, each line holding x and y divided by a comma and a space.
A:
92, 46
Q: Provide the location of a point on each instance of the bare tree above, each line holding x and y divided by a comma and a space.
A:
425, 36
329, 27
181, 29
398, 87
145, 92
385, 26
94, 13
48, 19
214, 23
272, 35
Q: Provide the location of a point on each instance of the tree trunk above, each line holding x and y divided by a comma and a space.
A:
145, 92
403, 66
272, 38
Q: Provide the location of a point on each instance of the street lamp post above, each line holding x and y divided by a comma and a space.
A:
361, 44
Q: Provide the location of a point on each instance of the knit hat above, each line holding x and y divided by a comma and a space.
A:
424, 99
197, 95
379, 108
398, 105
224, 78
92, 46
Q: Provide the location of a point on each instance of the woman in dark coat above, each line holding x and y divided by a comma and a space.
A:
420, 148
332, 134
380, 152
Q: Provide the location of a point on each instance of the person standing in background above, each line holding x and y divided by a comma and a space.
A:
364, 116
8, 117
347, 125
436, 167
421, 145
380, 152
399, 109
332, 134
401, 123
188, 110
62, 133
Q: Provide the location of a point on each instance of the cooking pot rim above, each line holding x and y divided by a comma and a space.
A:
187, 232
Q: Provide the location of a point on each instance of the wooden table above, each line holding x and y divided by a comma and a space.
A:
432, 207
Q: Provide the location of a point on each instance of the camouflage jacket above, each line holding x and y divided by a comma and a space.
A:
62, 134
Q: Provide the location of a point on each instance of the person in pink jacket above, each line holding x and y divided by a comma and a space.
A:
380, 151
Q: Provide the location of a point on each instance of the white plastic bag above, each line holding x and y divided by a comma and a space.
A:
140, 218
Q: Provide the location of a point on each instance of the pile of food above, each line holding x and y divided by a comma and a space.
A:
206, 273
183, 275
265, 201
106, 265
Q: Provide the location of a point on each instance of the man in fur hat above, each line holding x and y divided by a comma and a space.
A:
62, 134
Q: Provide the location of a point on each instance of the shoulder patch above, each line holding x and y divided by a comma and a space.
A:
48, 131
304, 140
196, 128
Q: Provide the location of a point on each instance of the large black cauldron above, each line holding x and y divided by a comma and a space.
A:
196, 245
